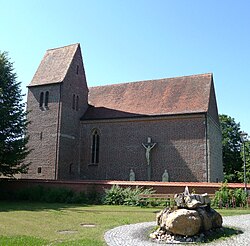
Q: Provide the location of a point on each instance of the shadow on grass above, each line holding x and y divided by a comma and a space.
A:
8, 206
221, 234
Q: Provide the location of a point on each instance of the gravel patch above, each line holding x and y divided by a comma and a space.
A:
137, 234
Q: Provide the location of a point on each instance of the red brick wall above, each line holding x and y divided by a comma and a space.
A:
73, 84
214, 138
100, 186
214, 146
42, 121
180, 148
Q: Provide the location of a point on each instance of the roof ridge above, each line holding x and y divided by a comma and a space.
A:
63, 46
149, 80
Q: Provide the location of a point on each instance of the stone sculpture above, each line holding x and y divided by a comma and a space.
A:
191, 217
165, 176
187, 200
148, 147
131, 175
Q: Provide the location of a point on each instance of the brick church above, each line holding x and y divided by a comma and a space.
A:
146, 128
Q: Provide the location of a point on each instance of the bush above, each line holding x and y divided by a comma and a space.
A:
225, 197
132, 196
114, 196
124, 196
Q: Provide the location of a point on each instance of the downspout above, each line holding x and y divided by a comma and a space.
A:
206, 147
57, 134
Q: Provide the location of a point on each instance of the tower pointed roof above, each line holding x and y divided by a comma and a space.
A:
54, 65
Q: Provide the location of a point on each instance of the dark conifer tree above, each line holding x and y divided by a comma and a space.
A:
13, 122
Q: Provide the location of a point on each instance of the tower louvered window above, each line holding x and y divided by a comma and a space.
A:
46, 99
41, 99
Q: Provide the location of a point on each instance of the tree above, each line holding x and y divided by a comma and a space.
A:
231, 148
240, 174
13, 122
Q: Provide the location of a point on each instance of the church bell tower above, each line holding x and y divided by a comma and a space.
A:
57, 98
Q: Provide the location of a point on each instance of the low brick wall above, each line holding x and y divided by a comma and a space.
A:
101, 185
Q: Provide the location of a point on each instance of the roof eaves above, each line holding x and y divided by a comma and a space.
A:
50, 83
146, 116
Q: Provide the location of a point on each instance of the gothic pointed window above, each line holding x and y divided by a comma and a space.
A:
41, 99
46, 99
95, 147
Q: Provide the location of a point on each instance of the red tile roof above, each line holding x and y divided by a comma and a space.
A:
54, 65
180, 95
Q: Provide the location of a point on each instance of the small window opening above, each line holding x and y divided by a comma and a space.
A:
74, 102
46, 99
41, 99
71, 168
41, 135
39, 170
77, 103
77, 69
95, 147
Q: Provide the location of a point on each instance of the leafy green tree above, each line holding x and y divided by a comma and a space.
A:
240, 174
231, 147
13, 122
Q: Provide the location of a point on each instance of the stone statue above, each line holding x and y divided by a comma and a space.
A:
148, 146
131, 175
165, 176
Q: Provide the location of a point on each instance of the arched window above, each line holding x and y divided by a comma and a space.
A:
95, 147
71, 168
41, 99
77, 103
46, 99
74, 102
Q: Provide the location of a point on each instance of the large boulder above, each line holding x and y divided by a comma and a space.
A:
182, 222
210, 219
188, 222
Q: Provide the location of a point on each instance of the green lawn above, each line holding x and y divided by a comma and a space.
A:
23, 223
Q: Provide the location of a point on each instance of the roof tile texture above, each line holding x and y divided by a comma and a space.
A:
54, 65
180, 95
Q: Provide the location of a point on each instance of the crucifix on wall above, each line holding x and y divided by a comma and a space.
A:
148, 147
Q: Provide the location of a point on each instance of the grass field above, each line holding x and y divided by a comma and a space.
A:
23, 223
